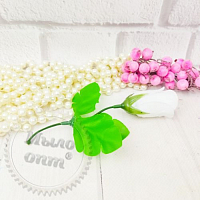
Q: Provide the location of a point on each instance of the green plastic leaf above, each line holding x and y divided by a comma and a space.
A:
98, 133
122, 128
85, 101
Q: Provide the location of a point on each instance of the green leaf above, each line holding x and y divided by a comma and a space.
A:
122, 128
99, 132
85, 101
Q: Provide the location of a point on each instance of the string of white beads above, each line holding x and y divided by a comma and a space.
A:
31, 94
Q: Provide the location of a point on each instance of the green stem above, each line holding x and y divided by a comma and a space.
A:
53, 125
115, 106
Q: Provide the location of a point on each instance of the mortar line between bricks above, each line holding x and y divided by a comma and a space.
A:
165, 10
190, 46
86, 27
101, 177
43, 46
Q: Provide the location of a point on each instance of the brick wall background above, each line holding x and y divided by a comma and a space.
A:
75, 31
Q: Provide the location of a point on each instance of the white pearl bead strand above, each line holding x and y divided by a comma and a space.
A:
32, 94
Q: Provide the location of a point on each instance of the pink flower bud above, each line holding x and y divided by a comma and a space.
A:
182, 84
180, 61
130, 66
125, 67
147, 54
155, 80
124, 77
135, 54
170, 77
154, 66
133, 78
144, 68
167, 61
197, 82
170, 85
162, 71
194, 73
187, 64
182, 75
176, 67
133, 66
144, 79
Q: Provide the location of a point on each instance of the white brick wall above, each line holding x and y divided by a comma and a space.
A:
75, 31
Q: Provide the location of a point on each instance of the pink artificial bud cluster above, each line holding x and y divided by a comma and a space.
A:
143, 69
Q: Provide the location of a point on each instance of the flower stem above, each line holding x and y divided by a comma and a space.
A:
115, 106
53, 125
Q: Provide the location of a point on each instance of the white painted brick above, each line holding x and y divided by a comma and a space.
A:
195, 54
79, 47
168, 43
18, 46
185, 12
79, 11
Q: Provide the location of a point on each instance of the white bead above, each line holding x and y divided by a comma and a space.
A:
108, 73
60, 116
116, 59
26, 127
59, 104
36, 99
108, 92
71, 113
69, 96
15, 127
88, 76
14, 118
17, 101
44, 102
22, 112
49, 115
29, 104
5, 96
136, 87
79, 77
88, 70
39, 111
68, 81
53, 106
130, 85
33, 87
30, 112
119, 64
143, 87
68, 105
122, 85
4, 115
114, 71
78, 86
23, 120
102, 73
116, 88
117, 80
13, 110
32, 120
7, 88
112, 64
105, 62
5, 127
107, 80
74, 90
41, 119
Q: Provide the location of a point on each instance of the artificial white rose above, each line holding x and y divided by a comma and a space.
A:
152, 103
